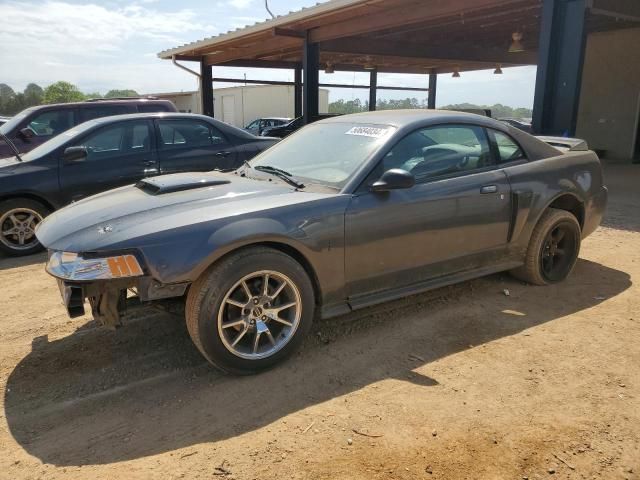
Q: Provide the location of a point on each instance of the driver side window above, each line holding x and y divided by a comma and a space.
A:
441, 151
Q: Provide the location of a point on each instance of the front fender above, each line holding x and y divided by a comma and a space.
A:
317, 234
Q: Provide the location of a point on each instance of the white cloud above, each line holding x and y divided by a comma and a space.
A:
87, 43
58, 29
240, 4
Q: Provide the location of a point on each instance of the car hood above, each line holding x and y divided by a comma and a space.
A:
136, 213
9, 162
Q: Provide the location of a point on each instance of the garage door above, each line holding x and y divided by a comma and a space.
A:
229, 109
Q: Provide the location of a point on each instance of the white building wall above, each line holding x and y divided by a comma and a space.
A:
259, 101
244, 104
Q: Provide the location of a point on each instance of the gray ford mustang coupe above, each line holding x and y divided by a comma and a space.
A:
348, 212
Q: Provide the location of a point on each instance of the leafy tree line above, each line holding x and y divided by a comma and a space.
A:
12, 102
354, 106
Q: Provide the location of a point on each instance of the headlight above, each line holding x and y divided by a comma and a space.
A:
71, 266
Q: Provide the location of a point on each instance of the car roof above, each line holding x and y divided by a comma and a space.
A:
409, 118
100, 101
133, 116
275, 118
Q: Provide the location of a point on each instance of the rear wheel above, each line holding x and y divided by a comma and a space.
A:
251, 310
18, 220
553, 249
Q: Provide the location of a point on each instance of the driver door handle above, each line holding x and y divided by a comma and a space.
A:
489, 189
223, 154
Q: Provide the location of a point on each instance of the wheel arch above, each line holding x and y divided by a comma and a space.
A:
30, 196
285, 248
569, 202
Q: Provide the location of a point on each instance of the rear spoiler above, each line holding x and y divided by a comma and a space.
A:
565, 144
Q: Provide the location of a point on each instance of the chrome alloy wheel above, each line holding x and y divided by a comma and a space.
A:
259, 315
18, 228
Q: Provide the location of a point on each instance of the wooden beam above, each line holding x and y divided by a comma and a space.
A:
286, 32
371, 46
270, 45
260, 63
401, 17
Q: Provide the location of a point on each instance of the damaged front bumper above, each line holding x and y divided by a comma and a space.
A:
104, 281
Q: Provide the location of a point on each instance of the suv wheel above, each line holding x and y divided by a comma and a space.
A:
251, 310
18, 220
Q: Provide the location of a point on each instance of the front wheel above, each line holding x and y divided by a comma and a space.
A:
251, 310
18, 220
553, 249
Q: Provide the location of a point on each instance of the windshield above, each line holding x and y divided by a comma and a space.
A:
325, 153
57, 141
14, 121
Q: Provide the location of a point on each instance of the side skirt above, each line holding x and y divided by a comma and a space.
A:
366, 300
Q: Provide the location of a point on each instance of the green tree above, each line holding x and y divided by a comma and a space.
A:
121, 93
62, 92
93, 95
33, 95
351, 106
6, 95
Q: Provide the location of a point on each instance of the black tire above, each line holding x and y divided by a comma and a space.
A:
207, 294
543, 264
20, 208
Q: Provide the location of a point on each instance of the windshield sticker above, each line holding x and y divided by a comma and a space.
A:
372, 132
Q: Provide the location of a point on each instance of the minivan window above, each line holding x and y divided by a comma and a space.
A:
89, 113
51, 122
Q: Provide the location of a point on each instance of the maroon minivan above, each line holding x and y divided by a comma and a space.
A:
35, 125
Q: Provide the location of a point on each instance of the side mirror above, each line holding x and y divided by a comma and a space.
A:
26, 133
394, 179
75, 154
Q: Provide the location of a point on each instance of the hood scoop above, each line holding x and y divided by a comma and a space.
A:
178, 183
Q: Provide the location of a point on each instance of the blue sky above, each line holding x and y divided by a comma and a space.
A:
113, 44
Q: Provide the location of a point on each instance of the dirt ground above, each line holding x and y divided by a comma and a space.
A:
462, 382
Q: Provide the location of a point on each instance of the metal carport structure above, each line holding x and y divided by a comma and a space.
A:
428, 37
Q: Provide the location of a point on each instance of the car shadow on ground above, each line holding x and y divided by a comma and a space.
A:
8, 263
98, 397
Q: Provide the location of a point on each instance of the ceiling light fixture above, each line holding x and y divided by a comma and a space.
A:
498, 70
368, 64
329, 68
516, 43
456, 72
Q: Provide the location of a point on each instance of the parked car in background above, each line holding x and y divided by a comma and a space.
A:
345, 213
4, 120
259, 125
36, 125
517, 123
106, 153
287, 129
